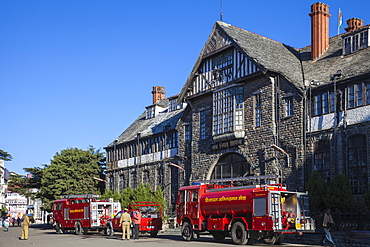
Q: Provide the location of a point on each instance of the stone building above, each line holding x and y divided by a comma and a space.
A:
338, 131
147, 151
245, 103
258, 108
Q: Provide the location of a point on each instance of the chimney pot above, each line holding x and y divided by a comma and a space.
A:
353, 24
158, 93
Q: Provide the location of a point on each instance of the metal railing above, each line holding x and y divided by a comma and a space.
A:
345, 221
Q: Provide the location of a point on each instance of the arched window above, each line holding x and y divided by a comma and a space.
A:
231, 166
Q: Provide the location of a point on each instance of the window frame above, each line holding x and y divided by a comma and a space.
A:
322, 158
228, 110
289, 106
257, 110
356, 42
323, 103
202, 124
357, 163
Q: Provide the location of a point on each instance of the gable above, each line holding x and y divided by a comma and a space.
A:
220, 62
216, 41
222, 68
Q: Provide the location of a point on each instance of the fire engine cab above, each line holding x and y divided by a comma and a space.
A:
244, 213
83, 213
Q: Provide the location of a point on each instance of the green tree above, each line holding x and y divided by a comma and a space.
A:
339, 195
17, 183
159, 197
72, 171
316, 189
143, 193
127, 195
24, 184
5, 155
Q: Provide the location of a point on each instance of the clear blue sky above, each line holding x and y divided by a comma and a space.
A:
75, 73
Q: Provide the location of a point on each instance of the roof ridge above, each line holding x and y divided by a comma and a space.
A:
253, 33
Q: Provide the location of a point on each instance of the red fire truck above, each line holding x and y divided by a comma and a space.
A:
83, 213
244, 213
151, 218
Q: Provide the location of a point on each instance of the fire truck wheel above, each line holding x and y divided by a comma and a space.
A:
153, 234
218, 236
238, 233
78, 228
275, 238
187, 231
110, 231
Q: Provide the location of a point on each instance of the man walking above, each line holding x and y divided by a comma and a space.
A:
327, 223
125, 222
25, 224
136, 217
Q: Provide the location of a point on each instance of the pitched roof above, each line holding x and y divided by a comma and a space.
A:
147, 127
294, 64
271, 55
332, 60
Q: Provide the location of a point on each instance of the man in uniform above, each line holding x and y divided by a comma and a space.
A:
125, 221
25, 224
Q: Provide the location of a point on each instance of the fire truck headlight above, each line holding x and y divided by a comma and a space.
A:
263, 223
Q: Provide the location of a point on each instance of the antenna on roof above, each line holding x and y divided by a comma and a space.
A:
220, 10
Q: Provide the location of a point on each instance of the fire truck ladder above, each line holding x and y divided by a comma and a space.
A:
276, 210
86, 196
240, 179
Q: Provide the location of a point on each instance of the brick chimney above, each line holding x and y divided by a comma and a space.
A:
353, 24
319, 29
158, 93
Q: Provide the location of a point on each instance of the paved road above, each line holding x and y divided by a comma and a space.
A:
46, 237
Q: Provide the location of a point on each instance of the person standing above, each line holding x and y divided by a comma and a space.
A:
136, 217
6, 224
125, 222
25, 224
19, 219
327, 223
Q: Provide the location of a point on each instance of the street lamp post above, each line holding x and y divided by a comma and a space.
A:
287, 159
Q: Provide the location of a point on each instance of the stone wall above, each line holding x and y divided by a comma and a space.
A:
286, 132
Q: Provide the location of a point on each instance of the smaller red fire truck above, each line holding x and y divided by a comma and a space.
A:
244, 213
83, 213
151, 218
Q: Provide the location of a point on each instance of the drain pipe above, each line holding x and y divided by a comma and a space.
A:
287, 159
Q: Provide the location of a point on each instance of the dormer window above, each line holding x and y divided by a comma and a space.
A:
173, 105
355, 42
150, 112
153, 111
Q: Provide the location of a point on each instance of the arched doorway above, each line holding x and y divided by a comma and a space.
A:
231, 165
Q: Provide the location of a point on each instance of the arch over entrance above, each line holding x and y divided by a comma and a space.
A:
231, 165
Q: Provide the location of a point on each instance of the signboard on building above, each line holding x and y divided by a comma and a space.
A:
227, 144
